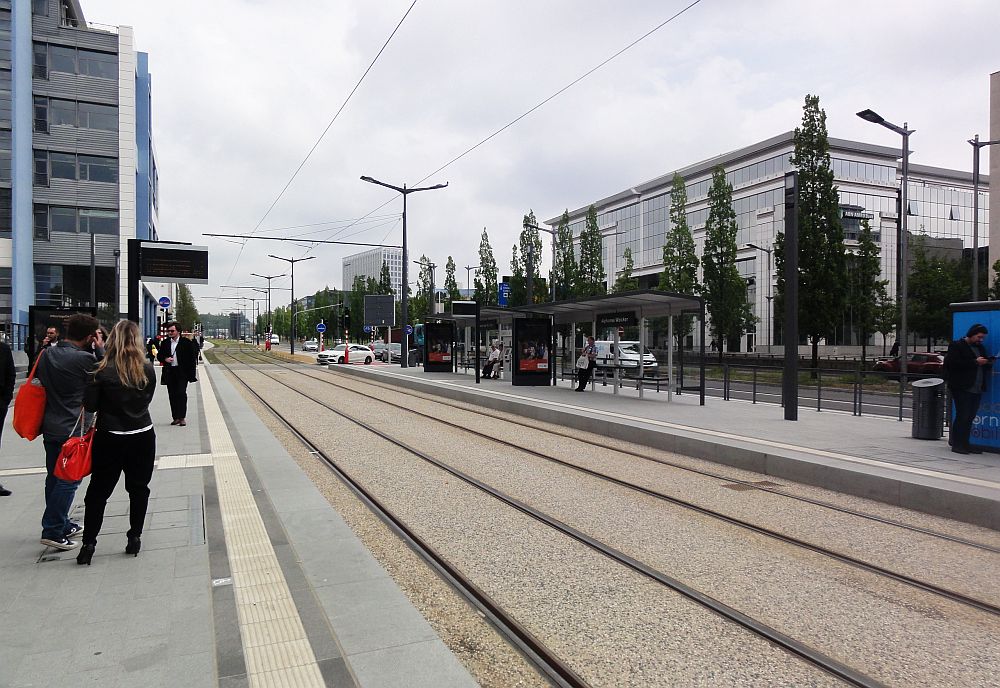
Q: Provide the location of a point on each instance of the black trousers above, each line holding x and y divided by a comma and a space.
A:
113, 455
584, 374
966, 406
177, 391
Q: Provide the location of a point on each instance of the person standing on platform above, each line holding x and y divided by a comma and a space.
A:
64, 371
179, 356
590, 351
120, 392
7, 374
966, 367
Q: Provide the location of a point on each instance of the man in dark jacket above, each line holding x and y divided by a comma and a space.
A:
179, 356
967, 368
64, 371
7, 375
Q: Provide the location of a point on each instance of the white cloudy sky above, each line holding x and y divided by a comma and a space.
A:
243, 88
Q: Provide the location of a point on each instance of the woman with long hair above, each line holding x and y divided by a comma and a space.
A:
124, 442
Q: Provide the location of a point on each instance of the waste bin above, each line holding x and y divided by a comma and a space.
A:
928, 409
412, 356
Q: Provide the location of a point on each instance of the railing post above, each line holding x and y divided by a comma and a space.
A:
819, 389
725, 382
754, 393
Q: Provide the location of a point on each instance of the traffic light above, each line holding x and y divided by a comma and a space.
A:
347, 319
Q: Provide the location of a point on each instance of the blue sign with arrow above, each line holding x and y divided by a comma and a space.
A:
164, 302
321, 327
409, 329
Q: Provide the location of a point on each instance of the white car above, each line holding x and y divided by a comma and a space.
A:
310, 345
275, 339
359, 353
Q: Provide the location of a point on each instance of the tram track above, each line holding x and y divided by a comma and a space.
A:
795, 647
303, 368
925, 586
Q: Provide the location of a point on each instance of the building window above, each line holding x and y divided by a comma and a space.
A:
6, 213
40, 8
41, 168
62, 219
41, 115
102, 65
55, 111
98, 221
62, 165
62, 112
98, 169
62, 59
41, 223
40, 61
94, 116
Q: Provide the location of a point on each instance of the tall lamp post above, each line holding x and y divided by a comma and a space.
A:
292, 262
904, 131
404, 299
976, 145
468, 275
768, 251
268, 278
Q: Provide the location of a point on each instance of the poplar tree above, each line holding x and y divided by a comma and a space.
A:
867, 290
518, 294
822, 257
724, 290
565, 270
486, 282
680, 259
625, 281
185, 310
450, 283
886, 317
385, 280
590, 274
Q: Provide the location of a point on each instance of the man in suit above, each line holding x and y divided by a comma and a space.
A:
179, 356
966, 367
7, 375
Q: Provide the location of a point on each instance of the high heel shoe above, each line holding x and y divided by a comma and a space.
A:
133, 546
86, 554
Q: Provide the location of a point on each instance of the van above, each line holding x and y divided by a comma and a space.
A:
275, 339
628, 358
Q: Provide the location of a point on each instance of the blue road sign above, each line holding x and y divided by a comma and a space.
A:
367, 328
409, 329
164, 302
320, 327
503, 294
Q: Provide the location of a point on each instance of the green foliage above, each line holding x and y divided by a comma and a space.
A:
822, 257
486, 282
886, 317
932, 285
625, 281
420, 304
450, 283
994, 291
518, 292
680, 258
526, 256
590, 273
724, 290
385, 280
355, 302
565, 273
866, 289
185, 312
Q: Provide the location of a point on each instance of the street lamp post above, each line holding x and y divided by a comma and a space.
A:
430, 294
292, 262
767, 324
468, 275
976, 145
904, 131
268, 278
404, 300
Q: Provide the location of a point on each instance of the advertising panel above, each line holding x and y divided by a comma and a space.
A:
41, 318
532, 339
986, 425
439, 340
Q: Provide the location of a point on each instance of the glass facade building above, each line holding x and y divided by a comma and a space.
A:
868, 181
369, 264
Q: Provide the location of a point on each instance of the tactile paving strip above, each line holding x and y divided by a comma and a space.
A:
274, 641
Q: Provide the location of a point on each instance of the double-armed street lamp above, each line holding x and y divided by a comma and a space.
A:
976, 145
292, 262
404, 297
268, 278
468, 275
767, 324
904, 131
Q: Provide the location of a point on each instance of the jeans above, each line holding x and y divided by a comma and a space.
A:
966, 407
58, 495
584, 375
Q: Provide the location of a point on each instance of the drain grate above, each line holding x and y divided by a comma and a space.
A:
739, 487
767, 483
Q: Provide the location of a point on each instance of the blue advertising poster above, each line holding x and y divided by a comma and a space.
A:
503, 294
986, 425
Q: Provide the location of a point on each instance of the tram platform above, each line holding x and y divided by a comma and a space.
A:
869, 456
247, 575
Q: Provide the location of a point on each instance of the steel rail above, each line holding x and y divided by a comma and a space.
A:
795, 647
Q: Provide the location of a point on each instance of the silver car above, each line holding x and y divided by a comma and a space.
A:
310, 345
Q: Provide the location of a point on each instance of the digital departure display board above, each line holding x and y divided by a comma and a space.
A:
161, 262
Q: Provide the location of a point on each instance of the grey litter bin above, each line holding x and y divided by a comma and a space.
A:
928, 409
412, 356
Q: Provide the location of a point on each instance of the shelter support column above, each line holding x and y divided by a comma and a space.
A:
670, 358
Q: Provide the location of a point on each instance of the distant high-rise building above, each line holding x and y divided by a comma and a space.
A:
369, 264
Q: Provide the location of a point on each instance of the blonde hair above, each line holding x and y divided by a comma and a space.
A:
123, 351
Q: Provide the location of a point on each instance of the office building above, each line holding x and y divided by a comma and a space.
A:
369, 264
868, 179
78, 173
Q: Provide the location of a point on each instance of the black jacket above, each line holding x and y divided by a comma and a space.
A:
64, 370
187, 359
119, 408
7, 374
960, 364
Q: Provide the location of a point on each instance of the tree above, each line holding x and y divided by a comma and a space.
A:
530, 244
625, 281
867, 290
421, 304
450, 283
486, 283
518, 291
822, 257
185, 311
886, 317
385, 280
933, 284
680, 259
564, 273
994, 291
725, 291
590, 273
355, 303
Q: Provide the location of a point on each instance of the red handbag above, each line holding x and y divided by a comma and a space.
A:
29, 405
74, 463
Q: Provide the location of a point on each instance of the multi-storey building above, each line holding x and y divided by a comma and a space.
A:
868, 179
77, 164
369, 264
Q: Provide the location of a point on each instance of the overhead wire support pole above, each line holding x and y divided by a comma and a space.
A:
292, 262
976, 145
268, 278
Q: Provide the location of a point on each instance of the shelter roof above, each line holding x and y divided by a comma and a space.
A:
645, 303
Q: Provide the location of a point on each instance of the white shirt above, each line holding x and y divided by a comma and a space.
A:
173, 351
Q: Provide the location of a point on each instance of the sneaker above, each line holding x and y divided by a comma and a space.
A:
74, 530
62, 543
4, 492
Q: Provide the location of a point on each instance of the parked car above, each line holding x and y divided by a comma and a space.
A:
275, 339
379, 348
310, 345
628, 358
917, 363
359, 353
393, 354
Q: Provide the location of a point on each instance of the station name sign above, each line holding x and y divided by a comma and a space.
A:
183, 263
622, 319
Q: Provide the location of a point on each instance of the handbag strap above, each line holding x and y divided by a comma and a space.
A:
31, 375
79, 422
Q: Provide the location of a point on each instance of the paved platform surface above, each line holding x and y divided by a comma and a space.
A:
868, 456
247, 576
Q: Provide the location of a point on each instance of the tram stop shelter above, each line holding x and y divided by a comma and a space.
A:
614, 310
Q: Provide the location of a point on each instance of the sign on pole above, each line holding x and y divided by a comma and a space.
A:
164, 302
503, 294
165, 262
321, 327
380, 310
367, 329
409, 329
